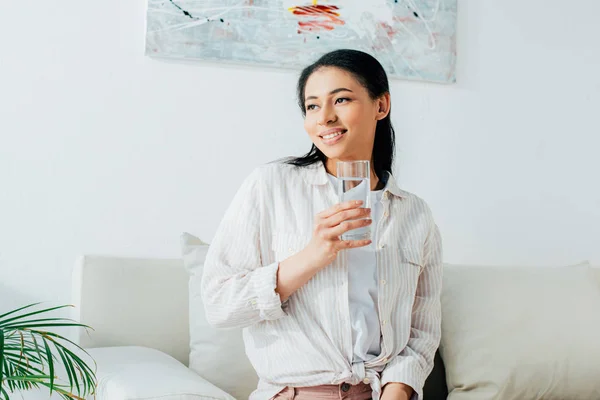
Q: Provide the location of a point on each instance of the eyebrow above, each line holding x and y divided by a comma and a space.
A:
334, 91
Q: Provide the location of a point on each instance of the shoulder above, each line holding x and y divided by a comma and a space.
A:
276, 171
414, 200
413, 204
413, 214
273, 174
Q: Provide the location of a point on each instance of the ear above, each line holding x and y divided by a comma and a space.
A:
383, 104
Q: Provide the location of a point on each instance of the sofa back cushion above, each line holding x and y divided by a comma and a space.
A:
521, 332
596, 274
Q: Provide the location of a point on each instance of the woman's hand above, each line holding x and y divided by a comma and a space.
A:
329, 225
396, 391
324, 246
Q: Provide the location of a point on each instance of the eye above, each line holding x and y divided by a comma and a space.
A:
311, 107
342, 100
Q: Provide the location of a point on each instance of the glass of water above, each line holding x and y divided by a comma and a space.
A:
354, 179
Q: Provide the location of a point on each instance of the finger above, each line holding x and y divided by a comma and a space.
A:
348, 205
347, 226
342, 216
351, 244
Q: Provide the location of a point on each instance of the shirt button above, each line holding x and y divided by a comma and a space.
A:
383, 282
366, 381
381, 246
386, 214
253, 302
383, 322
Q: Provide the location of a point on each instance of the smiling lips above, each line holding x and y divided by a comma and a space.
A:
332, 136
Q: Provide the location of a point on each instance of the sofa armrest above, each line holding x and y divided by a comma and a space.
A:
132, 302
133, 372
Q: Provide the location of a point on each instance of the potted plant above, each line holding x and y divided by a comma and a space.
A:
30, 355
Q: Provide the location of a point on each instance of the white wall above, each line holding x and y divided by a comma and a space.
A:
103, 150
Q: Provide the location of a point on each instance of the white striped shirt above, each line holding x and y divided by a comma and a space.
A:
307, 341
362, 283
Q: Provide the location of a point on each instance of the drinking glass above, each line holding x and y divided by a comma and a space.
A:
354, 183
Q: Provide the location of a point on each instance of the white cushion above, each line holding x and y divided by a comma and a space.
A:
216, 354
521, 332
135, 373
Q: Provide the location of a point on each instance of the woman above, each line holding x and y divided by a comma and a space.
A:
326, 318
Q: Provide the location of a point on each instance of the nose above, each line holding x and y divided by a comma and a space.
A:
327, 115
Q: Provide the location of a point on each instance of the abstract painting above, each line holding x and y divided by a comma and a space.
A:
413, 39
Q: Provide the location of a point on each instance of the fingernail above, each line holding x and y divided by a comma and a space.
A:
358, 202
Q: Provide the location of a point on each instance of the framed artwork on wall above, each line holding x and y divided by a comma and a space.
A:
413, 39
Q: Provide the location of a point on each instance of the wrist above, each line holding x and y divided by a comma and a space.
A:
309, 262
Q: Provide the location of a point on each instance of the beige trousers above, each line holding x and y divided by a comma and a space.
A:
343, 391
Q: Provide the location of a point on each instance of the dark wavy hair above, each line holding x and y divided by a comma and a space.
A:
370, 73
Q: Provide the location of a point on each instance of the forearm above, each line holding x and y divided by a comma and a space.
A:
293, 273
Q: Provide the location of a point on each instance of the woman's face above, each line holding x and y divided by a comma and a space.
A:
341, 117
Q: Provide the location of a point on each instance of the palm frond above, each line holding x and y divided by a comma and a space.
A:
21, 316
30, 355
1, 355
19, 309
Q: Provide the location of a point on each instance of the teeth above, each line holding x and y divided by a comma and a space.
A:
331, 136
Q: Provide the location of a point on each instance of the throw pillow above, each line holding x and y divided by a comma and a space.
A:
135, 373
215, 354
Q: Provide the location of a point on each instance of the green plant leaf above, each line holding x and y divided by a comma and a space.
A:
4, 321
23, 324
50, 364
1, 354
68, 395
54, 335
28, 326
19, 309
87, 375
31, 355
32, 378
4, 393
68, 367
27, 351
35, 345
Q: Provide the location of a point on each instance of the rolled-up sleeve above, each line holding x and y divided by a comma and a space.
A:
237, 290
415, 362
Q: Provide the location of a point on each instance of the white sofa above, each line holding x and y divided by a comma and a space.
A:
138, 309
508, 333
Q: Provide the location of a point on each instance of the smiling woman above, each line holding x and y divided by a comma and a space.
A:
345, 99
330, 318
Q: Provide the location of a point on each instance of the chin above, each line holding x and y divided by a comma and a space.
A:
332, 153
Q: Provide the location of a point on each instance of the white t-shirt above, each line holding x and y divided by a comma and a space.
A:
362, 288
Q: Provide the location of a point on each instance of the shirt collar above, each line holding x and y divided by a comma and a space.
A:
316, 174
